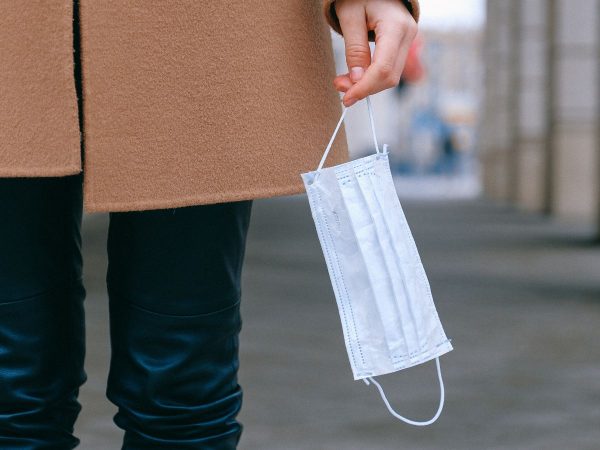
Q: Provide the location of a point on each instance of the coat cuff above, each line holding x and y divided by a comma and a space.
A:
333, 21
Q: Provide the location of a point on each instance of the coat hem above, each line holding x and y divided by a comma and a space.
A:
36, 172
197, 200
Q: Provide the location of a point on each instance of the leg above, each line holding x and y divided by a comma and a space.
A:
42, 330
174, 291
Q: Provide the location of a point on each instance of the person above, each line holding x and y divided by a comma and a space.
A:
172, 117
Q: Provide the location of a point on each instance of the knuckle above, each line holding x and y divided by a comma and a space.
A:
412, 28
385, 71
346, 11
340, 9
389, 77
405, 25
356, 51
393, 81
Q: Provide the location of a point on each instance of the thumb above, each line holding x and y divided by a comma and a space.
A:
353, 22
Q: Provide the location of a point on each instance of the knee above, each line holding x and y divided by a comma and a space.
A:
180, 387
23, 287
163, 295
40, 240
37, 265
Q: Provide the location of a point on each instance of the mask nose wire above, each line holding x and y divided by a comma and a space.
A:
404, 419
337, 128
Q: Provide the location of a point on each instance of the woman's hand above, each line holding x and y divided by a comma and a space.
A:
394, 29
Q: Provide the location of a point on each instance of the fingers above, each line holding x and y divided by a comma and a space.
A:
386, 69
394, 32
342, 82
353, 22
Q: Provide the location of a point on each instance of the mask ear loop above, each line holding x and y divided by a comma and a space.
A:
335, 132
372, 120
404, 419
337, 128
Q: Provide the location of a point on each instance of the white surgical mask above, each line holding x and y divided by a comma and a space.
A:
383, 296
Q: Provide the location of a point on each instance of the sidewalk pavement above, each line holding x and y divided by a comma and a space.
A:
518, 295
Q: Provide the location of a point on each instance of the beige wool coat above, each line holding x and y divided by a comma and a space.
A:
184, 102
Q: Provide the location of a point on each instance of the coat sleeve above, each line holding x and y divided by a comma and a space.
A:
333, 21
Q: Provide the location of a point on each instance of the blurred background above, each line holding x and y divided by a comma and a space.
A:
430, 121
495, 151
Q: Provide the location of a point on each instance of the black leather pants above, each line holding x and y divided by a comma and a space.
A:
174, 290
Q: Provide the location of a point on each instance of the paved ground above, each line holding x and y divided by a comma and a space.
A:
518, 294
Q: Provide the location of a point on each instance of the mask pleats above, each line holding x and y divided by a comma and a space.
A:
355, 293
402, 304
365, 230
409, 260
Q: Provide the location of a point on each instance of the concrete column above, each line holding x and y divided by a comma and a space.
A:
498, 127
575, 113
532, 104
550, 147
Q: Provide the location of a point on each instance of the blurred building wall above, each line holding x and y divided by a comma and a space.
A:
451, 86
540, 140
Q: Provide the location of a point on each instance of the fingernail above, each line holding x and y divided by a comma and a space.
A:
356, 73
